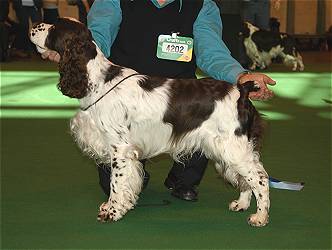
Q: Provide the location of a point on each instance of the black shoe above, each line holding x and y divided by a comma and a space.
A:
183, 193
170, 182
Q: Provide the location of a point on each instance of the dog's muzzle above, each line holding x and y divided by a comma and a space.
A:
38, 35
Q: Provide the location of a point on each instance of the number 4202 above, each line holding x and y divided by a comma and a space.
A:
175, 48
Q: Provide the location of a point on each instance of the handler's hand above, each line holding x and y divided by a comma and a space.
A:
51, 55
261, 80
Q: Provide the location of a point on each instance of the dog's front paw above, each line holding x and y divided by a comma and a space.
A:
258, 220
108, 213
104, 214
237, 206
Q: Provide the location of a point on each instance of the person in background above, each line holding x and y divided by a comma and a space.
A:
5, 26
50, 9
257, 12
231, 15
83, 9
127, 33
27, 10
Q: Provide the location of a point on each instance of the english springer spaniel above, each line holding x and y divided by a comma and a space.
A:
125, 116
262, 46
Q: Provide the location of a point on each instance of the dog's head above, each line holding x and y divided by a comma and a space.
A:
247, 29
73, 41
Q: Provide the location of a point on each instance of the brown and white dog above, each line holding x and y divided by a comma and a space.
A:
262, 46
126, 116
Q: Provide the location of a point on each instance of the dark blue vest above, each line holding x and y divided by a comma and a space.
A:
136, 43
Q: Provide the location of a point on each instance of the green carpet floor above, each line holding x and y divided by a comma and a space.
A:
50, 193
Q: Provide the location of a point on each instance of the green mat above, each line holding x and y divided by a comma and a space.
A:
50, 193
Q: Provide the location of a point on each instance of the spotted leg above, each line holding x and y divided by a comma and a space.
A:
232, 177
125, 186
256, 177
243, 160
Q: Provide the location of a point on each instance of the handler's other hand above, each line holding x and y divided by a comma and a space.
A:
51, 55
261, 80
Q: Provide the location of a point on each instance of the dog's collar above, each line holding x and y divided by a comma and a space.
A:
101, 97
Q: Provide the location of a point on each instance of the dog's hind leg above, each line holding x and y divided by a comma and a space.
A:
243, 202
300, 61
239, 155
292, 61
126, 183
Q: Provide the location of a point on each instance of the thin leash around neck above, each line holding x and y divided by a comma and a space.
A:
101, 97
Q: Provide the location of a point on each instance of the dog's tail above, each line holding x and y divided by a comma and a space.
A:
251, 123
246, 88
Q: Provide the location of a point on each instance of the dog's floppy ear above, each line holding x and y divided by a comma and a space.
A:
73, 67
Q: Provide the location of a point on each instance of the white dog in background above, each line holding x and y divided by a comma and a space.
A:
262, 46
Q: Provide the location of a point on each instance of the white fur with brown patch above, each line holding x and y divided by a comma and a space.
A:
127, 125
102, 132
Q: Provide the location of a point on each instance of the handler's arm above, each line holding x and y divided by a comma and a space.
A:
212, 55
104, 20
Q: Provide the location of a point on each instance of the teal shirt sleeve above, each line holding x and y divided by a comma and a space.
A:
212, 55
104, 21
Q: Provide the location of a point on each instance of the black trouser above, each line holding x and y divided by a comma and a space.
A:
4, 42
51, 15
82, 14
232, 24
23, 14
231, 28
104, 172
187, 174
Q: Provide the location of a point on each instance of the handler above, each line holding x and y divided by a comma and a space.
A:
127, 32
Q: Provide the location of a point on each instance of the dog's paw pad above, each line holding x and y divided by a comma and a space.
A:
256, 220
105, 213
103, 217
237, 206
